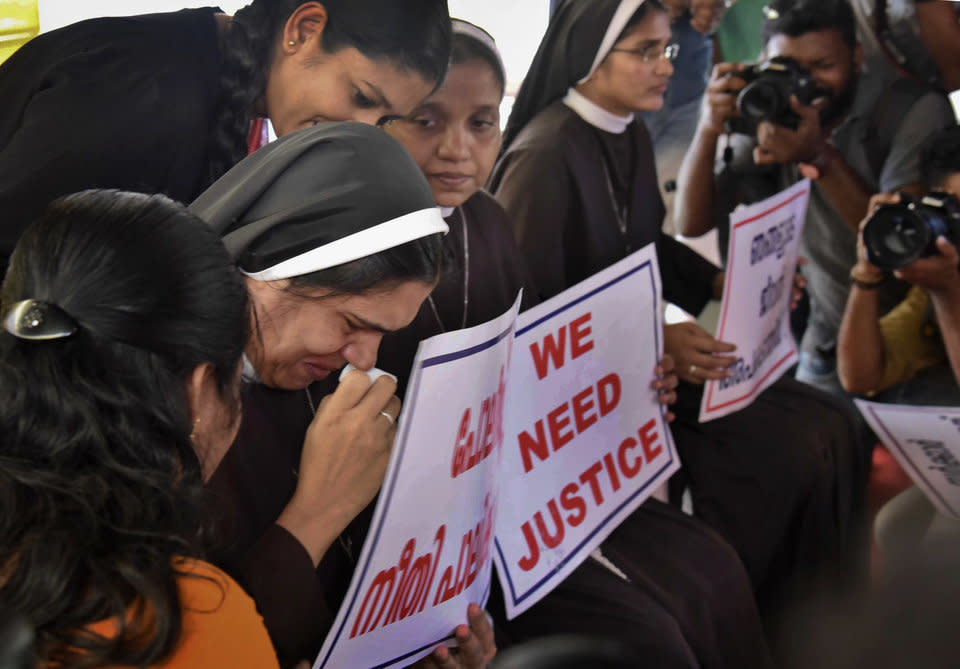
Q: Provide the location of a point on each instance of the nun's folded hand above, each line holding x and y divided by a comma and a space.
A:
345, 455
475, 645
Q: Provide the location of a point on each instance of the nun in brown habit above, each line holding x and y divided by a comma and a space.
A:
781, 480
663, 583
339, 240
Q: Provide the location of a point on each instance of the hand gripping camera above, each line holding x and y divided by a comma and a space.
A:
766, 97
898, 234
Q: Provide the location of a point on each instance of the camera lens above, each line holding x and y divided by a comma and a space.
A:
760, 101
896, 236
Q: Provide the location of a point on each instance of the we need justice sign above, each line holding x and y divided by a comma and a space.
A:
585, 439
755, 313
525, 440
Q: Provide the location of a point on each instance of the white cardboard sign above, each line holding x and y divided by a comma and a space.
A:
585, 440
926, 443
761, 262
428, 553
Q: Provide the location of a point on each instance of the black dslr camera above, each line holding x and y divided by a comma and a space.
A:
898, 234
766, 97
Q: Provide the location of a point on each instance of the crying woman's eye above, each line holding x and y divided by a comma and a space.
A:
362, 100
387, 121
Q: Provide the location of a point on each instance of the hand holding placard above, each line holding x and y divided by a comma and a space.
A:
760, 281
585, 440
665, 384
698, 355
475, 645
565, 424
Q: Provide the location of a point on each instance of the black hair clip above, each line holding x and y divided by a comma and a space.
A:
34, 320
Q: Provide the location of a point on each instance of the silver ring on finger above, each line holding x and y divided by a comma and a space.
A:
388, 417
693, 368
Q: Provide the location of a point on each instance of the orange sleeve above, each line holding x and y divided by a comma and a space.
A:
221, 626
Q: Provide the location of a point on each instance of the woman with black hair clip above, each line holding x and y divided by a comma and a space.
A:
163, 103
663, 583
123, 325
782, 479
339, 240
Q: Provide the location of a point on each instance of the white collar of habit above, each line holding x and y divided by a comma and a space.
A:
447, 212
625, 10
360, 244
594, 114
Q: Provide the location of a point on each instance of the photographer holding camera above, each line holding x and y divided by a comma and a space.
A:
907, 350
815, 115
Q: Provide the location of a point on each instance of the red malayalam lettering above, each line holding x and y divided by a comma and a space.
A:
474, 446
400, 591
474, 553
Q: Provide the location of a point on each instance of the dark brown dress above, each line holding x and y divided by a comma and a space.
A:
781, 480
687, 603
122, 103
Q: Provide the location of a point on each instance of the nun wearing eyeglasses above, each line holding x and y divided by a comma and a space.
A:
339, 240
781, 481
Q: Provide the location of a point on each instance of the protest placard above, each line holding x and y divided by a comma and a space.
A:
926, 443
585, 442
762, 261
427, 555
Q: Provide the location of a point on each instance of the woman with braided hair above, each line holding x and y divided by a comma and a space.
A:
163, 103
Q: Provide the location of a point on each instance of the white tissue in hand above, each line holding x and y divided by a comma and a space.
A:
373, 373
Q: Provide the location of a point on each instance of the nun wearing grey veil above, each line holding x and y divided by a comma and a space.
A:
781, 480
339, 240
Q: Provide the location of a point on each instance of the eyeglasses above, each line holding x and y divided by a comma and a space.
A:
649, 54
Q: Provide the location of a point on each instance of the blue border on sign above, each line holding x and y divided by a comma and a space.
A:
575, 552
429, 362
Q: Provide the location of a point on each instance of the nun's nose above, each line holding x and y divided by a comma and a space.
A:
362, 351
455, 144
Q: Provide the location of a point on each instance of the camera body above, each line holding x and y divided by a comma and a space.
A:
898, 234
766, 97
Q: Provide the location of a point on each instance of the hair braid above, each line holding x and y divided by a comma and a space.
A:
413, 35
246, 57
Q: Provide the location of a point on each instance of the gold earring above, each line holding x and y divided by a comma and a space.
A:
193, 432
